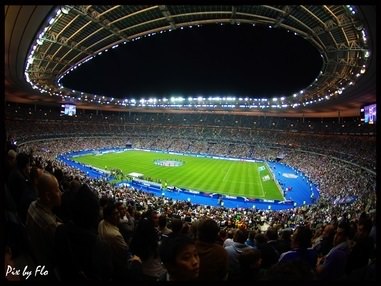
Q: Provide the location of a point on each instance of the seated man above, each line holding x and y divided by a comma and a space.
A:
301, 248
109, 232
234, 251
332, 266
80, 253
41, 222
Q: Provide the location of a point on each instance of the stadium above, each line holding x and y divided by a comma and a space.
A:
172, 118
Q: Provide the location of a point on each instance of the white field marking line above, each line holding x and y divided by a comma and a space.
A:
276, 181
224, 178
235, 181
260, 183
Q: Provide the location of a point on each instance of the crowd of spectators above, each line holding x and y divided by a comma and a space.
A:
345, 138
96, 231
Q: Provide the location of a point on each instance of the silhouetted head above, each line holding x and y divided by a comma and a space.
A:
207, 230
179, 255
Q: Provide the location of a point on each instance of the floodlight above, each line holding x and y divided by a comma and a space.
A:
65, 10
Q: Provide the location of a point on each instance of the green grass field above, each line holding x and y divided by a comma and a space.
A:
235, 178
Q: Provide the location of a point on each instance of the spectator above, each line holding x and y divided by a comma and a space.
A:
179, 255
213, 257
41, 222
163, 229
81, 254
250, 241
109, 233
363, 249
126, 225
222, 235
332, 266
234, 251
10, 163
176, 225
18, 183
292, 270
250, 265
30, 193
300, 244
229, 238
145, 244
325, 242
284, 242
268, 253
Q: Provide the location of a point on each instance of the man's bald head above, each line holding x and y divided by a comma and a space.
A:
48, 190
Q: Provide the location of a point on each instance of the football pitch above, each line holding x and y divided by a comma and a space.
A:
228, 177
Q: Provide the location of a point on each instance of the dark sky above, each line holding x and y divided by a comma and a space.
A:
211, 60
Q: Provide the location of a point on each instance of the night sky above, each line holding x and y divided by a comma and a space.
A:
212, 60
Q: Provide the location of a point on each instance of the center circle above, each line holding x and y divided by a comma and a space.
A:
169, 163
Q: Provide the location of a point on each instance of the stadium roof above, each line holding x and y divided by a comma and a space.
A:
44, 43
